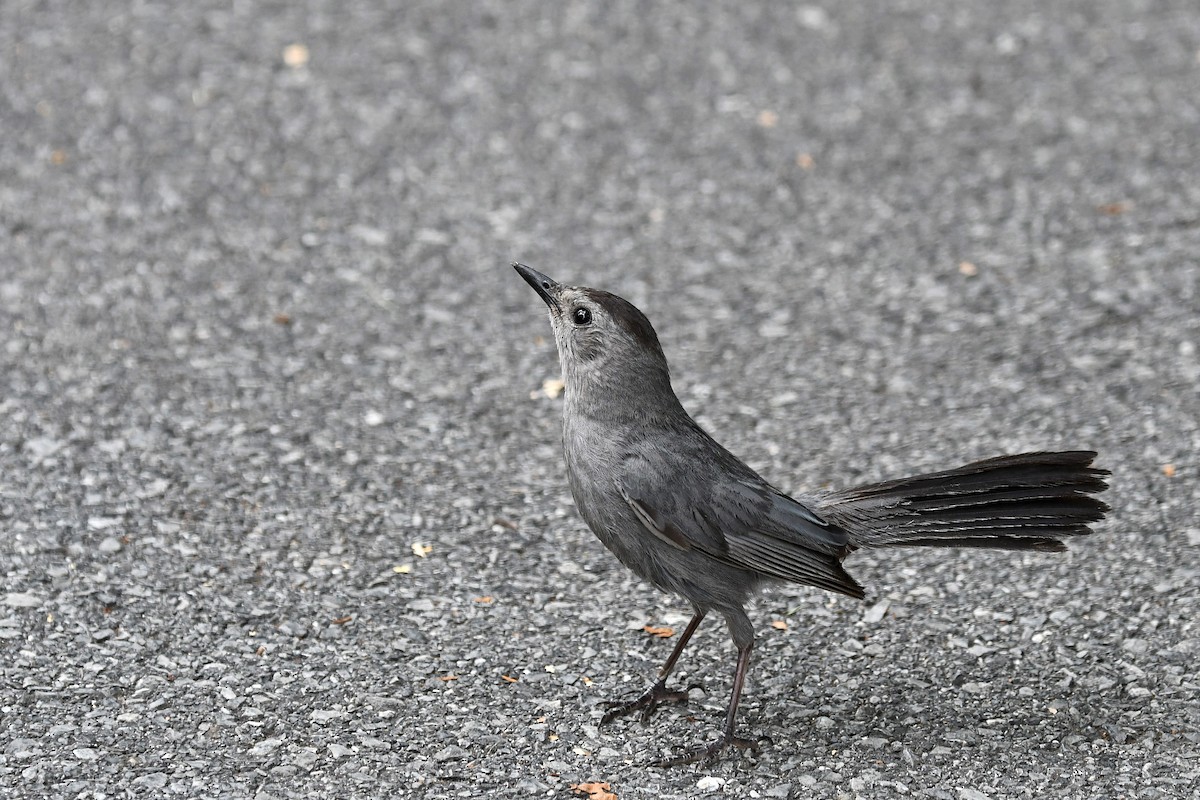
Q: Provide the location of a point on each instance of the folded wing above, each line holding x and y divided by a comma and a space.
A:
745, 523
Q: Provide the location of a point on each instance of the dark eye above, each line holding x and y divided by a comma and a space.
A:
582, 316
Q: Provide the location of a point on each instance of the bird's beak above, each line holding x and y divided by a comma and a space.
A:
547, 289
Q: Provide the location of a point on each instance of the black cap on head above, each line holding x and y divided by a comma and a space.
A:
628, 317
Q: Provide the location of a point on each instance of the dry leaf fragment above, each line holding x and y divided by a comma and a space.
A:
487, 599
968, 269
421, 549
1113, 209
509, 679
661, 631
779, 624
447, 678
295, 55
595, 791
58, 157
341, 620
282, 318
1168, 470
768, 118
402, 569
804, 161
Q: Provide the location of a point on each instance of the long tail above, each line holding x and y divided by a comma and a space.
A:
1029, 501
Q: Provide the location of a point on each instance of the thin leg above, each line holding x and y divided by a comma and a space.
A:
697, 618
711, 751
657, 693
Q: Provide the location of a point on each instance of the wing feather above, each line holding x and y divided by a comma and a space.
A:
751, 526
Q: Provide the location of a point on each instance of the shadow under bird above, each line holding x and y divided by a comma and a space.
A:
689, 517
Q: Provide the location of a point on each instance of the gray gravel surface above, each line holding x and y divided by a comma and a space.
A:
282, 512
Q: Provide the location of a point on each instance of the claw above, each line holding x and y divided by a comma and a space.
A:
708, 752
648, 702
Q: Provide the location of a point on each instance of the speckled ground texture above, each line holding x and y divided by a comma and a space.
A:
282, 511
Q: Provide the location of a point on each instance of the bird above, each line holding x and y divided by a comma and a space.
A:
693, 520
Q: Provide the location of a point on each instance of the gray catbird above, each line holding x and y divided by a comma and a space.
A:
689, 517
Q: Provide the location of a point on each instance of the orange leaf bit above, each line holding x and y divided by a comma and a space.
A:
594, 791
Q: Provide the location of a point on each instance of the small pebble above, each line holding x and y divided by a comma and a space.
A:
265, 747
153, 780
451, 753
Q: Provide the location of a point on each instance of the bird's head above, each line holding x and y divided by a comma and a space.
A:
603, 340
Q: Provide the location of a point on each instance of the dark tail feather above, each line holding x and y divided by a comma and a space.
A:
1029, 501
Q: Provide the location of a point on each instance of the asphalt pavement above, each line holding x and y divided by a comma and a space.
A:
282, 508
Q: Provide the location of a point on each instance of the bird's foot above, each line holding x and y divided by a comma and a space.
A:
709, 752
648, 703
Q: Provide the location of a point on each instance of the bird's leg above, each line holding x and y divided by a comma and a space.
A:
658, 692
727, 738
